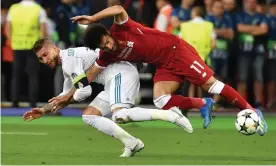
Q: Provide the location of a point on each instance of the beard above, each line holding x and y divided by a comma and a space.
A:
54, 63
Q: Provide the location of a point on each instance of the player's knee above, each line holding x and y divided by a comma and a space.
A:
91, 111
121, 116
206, 86
161, 101
216, 87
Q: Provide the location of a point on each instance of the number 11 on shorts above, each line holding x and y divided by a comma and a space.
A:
198, 68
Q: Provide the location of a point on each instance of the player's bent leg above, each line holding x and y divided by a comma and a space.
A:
215, 86
92, 116
136, 114
164, 99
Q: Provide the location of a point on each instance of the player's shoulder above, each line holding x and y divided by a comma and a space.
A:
78, 52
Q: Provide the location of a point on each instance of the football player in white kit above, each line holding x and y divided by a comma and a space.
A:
121, 84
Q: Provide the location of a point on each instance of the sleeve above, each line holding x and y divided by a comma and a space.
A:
161, 22
127, 23
73, 65
67, 84
213, 34
8, 19
91, 55
82, 93
42, 16
121, 23
78, 74
78, 78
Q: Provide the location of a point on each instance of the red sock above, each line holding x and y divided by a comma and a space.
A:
234, 98
183, 102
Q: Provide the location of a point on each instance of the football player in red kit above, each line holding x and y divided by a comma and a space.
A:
175, 60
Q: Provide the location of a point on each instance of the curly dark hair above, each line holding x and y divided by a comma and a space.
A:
40, 43
93, 35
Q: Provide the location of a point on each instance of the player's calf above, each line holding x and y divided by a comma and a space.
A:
217, 87
138, 114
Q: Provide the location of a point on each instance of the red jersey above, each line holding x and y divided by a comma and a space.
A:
174, 58
137, 43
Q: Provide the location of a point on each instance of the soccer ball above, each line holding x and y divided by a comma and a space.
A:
247, 122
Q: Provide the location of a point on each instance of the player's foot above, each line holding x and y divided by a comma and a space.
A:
262, 123
206, 112
137, 146
181, 120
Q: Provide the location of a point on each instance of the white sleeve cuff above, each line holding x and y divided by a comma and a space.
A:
120, 23
42, 16
82, 93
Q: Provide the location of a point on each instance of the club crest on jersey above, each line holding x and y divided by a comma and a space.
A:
126, 51
130, 44
74, 75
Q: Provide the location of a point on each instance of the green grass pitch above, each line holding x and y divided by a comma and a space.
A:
70, 141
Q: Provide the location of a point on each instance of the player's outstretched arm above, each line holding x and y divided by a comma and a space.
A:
62, 101
36, 113
117, 11
76, 95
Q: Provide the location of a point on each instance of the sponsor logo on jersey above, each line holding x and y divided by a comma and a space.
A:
126, 51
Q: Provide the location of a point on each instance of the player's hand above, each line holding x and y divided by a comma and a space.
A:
33, 114
83, 19
59, 102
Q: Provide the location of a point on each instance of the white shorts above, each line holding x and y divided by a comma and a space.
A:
121, 88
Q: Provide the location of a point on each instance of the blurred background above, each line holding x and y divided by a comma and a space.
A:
246, 61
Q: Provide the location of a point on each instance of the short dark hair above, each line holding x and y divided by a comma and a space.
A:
40, 43
199, 11
93, 35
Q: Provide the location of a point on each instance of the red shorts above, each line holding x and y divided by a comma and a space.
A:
184, 63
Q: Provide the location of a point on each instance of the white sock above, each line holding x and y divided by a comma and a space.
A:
143, 114
108, 127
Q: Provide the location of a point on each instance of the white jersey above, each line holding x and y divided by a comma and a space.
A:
120, 80
76, 61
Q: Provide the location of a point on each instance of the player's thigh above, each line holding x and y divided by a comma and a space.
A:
123, 88
258, 68
101, 103
164, 87
244, 64
191, 66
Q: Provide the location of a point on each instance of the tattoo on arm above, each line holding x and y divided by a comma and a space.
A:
48, 107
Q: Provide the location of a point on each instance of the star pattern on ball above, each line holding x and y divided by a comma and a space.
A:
243, 128
247, 115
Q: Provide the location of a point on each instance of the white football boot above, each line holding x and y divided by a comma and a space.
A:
181, 120
136, 146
